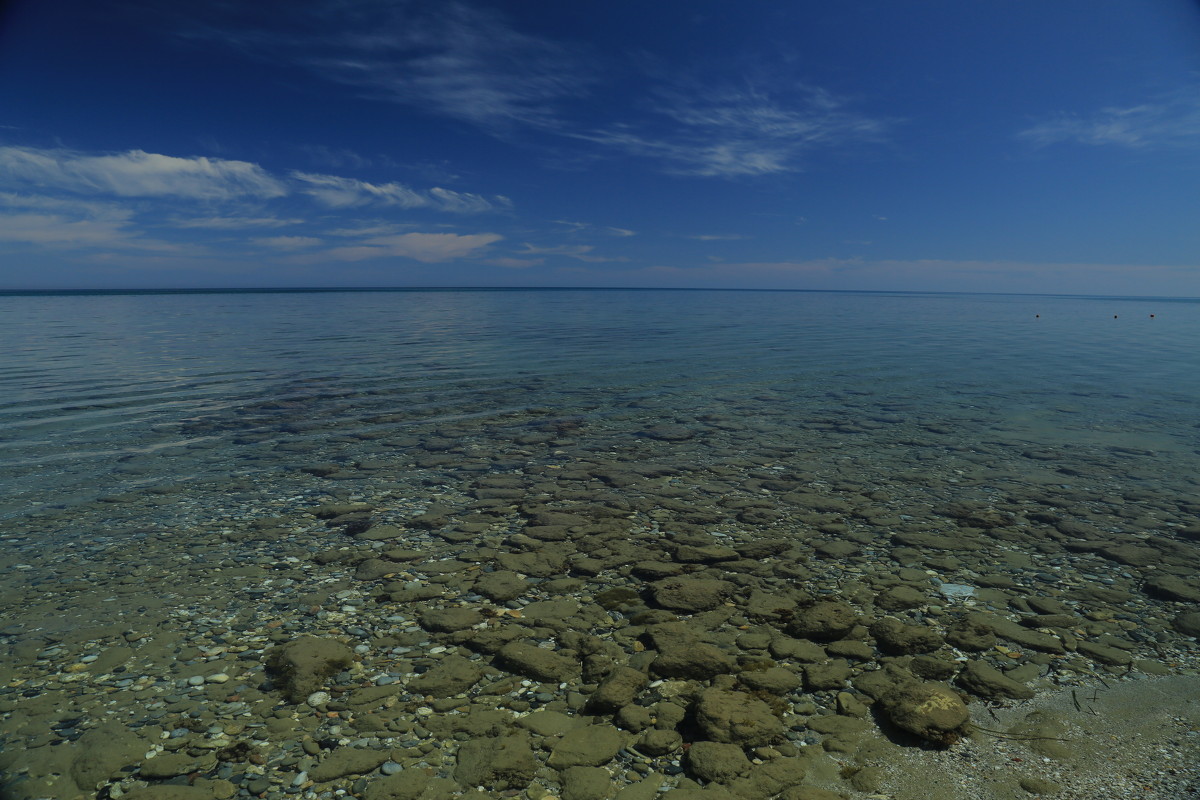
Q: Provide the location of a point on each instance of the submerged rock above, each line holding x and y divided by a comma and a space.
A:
691, 594
824, 621
736, 718
714, 761
984, 680
932, 711
301, 667
503, 762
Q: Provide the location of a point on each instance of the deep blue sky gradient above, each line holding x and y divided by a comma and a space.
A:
1000, 145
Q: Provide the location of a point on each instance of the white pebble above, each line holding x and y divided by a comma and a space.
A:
219, 677
318, 698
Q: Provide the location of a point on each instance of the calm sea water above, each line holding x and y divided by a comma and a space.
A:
106, 394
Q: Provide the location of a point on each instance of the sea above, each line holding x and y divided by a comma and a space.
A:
110, 393
331, 543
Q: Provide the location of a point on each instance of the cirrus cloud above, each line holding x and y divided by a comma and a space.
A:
137, 173
428, 248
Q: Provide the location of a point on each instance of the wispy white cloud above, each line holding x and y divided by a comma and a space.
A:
580, 252
70, 224
429, 248
287, 242
515, 263
233, 223
587, 227
741, 132
717, 237
448, 58
338, 192
137, 174
1169, 120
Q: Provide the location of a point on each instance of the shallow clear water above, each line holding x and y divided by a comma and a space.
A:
109, 393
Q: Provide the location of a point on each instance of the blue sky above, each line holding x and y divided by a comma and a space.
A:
994, 145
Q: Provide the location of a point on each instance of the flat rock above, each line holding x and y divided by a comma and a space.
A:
897, 638
717, 762
932, 711
984, 680
776, 680
1112, 656
537, 662
831, 674
682, 655
452, 675
736, 718
1188, 624
823, 621
407, 784
669, 433
898, 598
1172, 587
448, 620
691, 595
800, 650
501, 586
348, 761
591, 746
585, 783
302, 666
499, 763
618, 689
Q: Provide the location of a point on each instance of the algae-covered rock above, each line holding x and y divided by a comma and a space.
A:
453, 675
591, 746
348, 761
586, 783
503, 762
301, 666
1188, 624
617, 690
982, 679
823, 622
736, 718
776, 680
103, 752
448, 620
501, 586
655, 742
691, 595
897, 638
537, 662
681, 654
931, 711
971, 633
714, 761
404, 785
898, 598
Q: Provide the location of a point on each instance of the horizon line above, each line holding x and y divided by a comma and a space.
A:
363, 289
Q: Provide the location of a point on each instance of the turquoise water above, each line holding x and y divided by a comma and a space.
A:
103, 394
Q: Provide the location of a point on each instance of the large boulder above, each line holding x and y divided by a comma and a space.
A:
932, 711
714, 761
736, 718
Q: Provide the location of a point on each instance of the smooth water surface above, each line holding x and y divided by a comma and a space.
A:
109, 393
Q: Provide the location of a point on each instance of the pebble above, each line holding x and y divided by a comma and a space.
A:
318, 699
218, 677
390, 768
